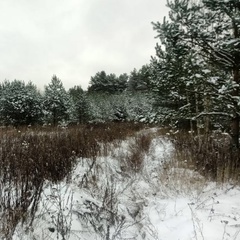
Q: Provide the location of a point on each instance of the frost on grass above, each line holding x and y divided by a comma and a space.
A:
105, 199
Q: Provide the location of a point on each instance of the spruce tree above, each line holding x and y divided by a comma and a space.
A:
56, 101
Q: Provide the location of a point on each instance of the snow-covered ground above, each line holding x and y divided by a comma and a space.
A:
103, 199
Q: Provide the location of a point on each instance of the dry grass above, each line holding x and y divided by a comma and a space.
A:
137, 150
212, 156
30, 156
177, 180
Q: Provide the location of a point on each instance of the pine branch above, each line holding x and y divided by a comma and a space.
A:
213, 114
222, 56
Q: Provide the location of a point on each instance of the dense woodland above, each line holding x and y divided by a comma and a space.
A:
194, 77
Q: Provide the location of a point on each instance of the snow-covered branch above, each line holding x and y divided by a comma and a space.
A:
212, 113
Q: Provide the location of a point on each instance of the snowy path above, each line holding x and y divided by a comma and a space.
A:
105, 202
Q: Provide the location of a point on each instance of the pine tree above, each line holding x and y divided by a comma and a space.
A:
133, 80
20, 103
108, 83
80, 111
122, 82
75, 92
172, 78
211, 30
56, 101
139, 80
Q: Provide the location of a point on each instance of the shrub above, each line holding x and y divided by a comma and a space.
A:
212, 155
137, 150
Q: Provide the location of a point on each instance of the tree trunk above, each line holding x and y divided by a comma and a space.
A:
54, 117
189, 108
197, 112
207, 106
235, 119
235, 131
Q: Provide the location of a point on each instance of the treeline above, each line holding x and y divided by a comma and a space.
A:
108, 98
137, 80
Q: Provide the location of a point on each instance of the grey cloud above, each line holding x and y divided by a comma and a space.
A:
76, 38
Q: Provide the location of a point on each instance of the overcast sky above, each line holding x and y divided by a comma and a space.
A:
75, 39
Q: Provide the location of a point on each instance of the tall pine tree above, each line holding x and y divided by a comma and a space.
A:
210, 29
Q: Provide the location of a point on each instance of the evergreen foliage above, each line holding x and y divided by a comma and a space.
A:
56, 102
139, 80
80, 105
198, 62
103, 83
135, 107
20, 103
75, 92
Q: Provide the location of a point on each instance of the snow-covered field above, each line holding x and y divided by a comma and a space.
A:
103, 199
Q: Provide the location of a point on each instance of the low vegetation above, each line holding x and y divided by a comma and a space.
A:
33, 157
212, 155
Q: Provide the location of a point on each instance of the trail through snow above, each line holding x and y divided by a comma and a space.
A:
105, 201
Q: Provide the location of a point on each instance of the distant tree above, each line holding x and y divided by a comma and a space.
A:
133, 80
135, 107
99, 82
145, 76
20, 103
139, 80
103, 83
56, 101
34, 103
101, 107
112, 86
80, 108
75, 92
122, 82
